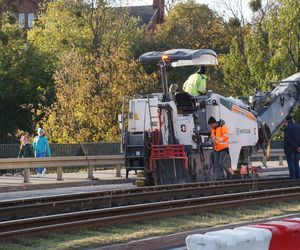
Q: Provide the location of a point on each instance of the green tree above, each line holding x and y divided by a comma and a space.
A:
21, 81
284, 39
236, 71
235, 65
270, 51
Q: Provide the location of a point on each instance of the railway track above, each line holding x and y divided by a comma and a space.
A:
41, 206
132, 213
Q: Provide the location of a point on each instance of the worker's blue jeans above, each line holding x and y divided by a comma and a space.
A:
293, 163
38, 155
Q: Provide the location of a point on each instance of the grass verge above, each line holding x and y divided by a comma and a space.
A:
163, 226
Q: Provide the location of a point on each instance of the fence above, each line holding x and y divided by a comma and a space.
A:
101, 148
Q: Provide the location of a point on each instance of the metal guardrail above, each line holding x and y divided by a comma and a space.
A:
60, 162
92, 161
273, 153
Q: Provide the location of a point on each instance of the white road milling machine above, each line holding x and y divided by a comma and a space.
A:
169, 137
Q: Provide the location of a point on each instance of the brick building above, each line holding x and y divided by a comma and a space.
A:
26, 11
150, 15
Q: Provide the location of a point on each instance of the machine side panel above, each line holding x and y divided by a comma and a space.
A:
184, 128
139, 118
243, 129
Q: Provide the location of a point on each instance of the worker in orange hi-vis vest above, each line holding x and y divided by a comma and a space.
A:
220, 158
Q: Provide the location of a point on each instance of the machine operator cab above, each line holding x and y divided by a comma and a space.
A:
186, 103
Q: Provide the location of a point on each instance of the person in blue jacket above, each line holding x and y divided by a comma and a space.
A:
292, 146
41, 149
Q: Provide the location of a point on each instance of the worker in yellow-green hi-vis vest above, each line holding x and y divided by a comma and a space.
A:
196, 83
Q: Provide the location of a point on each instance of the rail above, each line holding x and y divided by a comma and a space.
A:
60, 162
99, 217
47, 205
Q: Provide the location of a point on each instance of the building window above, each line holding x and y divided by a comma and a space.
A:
31, 18
22, 19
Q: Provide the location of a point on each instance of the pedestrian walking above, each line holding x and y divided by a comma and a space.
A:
292, 146
41, 149
26, 149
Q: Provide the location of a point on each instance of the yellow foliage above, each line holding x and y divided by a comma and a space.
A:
89, 96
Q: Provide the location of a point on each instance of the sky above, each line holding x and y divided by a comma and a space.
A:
214, 4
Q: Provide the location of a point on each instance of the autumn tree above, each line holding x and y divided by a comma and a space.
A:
193, 26
88, 105
91, 48
88, 27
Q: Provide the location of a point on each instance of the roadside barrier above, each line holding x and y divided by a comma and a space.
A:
275, 153
274, 235
115, 161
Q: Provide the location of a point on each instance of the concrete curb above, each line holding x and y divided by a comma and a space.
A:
29, 186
